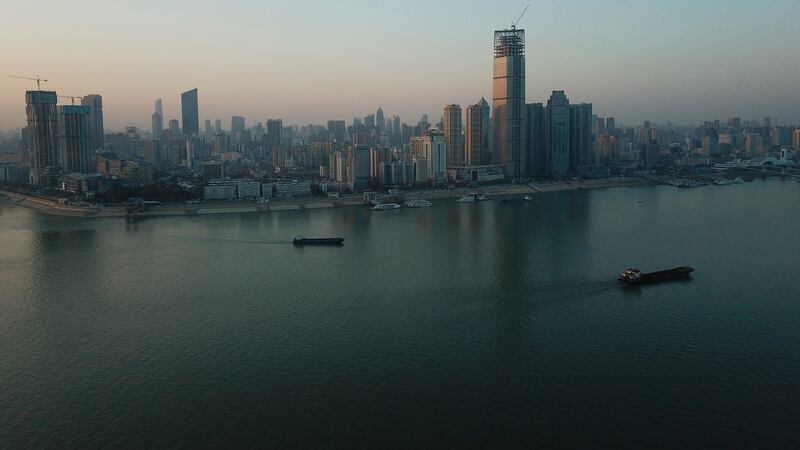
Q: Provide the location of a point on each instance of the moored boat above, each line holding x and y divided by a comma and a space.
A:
473, 197
385, 206
418, 204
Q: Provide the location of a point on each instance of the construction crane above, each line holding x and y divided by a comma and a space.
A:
37, 79
514, 25
71, 97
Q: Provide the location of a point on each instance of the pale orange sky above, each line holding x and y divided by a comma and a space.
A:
308, 62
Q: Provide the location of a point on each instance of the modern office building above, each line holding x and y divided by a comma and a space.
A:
74, 151
580, 136
190, 113
478, 134
508, 101
157, 126
454, 135
218, 126
40, 108
380, 120
557, 135
97, 137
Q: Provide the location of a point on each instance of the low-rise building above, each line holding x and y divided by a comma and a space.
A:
84, 184
220, 190
477, 174
293, 188
248, 189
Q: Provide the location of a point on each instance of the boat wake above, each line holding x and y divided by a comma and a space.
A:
234, 240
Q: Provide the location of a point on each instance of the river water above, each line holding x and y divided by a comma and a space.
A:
461, 325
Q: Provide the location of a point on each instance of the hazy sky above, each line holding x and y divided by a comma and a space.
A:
313, 60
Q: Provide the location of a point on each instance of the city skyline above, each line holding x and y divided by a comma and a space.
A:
607, 53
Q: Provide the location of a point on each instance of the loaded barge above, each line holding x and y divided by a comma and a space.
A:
635, 276
302, 240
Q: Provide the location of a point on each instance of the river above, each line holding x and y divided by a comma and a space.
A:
461, 325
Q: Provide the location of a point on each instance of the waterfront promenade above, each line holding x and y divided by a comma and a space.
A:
53, 207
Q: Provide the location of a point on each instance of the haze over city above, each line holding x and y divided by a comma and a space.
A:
308, 62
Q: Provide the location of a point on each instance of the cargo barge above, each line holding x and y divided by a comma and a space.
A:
635, 276
302, 240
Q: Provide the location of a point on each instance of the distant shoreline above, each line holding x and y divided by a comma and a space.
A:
52, 207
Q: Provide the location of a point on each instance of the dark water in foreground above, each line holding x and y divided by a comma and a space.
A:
454, 326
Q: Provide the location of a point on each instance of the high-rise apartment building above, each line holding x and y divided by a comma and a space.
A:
580, 136
537, 147
557, 135
337, 129
274, 133
454, 135
478, 134
359, 169
434, 149
97, 137
796, 139
40, 108
238, 125
74, 151
508, 101
190, 113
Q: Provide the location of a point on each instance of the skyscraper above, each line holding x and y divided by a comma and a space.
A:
217, 126
580, 136
75, 153
453, 135
557, 135
380, 121
208, 129
158, 121
508, 101
97, 137
42, 126
190, 113
478, 134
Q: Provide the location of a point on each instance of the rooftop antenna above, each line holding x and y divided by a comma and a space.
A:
38, 80
514, 25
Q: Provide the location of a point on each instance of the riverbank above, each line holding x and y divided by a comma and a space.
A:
52, 207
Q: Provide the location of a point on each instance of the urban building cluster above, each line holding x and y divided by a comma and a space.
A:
64, 148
